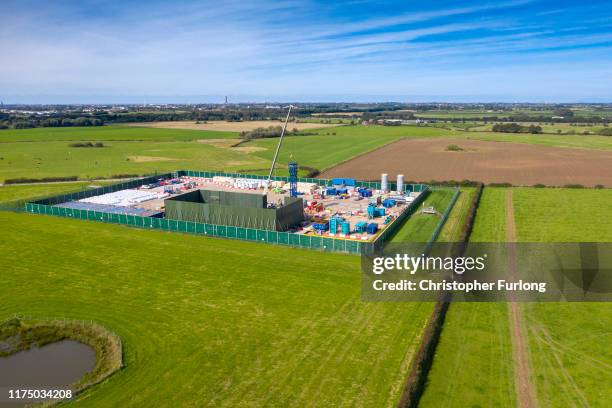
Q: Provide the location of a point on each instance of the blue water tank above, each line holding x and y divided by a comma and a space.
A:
346, 227
372, 228
331, 191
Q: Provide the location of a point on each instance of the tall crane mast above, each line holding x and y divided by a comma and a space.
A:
280, 141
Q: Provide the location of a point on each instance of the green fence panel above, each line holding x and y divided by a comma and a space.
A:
328, 244
353, 247
241, 233
191, 227
261, 235
294, 239
340, 245
199, 228
304, 241
283, 238
209, 229
156, 223
164, 224
231, 232
272, 237
316, 242
221, 231
251, 234
172, 225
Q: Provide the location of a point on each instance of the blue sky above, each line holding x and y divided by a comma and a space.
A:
409, 51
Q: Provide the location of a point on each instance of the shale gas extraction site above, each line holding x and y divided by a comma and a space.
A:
305, 204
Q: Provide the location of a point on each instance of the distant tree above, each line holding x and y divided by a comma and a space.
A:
533, 129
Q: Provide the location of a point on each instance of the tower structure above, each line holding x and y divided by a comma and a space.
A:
293, 172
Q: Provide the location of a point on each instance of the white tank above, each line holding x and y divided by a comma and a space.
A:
400, 183
384, 182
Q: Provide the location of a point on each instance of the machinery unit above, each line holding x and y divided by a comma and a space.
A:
372, 228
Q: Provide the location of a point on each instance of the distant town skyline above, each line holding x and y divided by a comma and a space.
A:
303, 51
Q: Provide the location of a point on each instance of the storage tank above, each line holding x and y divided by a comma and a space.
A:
384, 182
400, 183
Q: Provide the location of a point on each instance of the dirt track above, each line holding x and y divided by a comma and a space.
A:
486, 161
523, 378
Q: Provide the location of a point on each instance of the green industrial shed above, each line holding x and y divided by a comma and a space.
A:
238, 209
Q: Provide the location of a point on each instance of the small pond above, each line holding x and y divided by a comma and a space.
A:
54, 366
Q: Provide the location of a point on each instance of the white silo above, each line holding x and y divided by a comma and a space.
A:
400, 183
384, 182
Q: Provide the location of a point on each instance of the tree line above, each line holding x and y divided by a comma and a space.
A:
516, 128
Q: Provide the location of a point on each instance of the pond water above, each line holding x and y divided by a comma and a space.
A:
54, 366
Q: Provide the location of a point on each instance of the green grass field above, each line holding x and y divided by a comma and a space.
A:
108, 133
419, 227
13, 196
59, 159
212, 322
569, 342
452, 229
569, 351
571, 141
554, 129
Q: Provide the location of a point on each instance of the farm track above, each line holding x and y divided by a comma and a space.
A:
485, 161
522, 370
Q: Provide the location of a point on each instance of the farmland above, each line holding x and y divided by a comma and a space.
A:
473, 363
490, 162
59, 159
46, 152
262, 332
109, 133
223, 126
572, 141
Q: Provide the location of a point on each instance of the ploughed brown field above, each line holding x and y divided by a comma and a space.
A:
486, 161
219, 125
